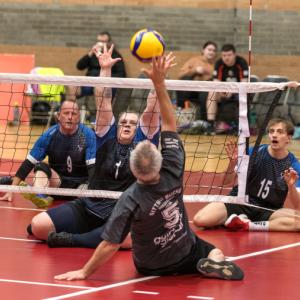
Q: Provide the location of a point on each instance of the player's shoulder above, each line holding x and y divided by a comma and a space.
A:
51, 131
86, 130
293, 158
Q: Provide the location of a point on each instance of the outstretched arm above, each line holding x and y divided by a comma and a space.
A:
103, 95
149, 120
103, 253
157, 73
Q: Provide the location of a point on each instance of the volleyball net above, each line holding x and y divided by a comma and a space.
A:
29, 103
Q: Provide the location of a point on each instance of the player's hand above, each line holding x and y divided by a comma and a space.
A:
231, 150
7, 197
159, 67
105, 56
72, 275
290, 176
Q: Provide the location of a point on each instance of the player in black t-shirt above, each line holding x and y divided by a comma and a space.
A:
229, 68
152, 209
79, 223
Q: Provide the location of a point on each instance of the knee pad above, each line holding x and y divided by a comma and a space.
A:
41, 166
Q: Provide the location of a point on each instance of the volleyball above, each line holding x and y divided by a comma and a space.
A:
146, 44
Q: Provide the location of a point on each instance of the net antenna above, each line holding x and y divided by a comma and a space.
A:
250, 41
201, 183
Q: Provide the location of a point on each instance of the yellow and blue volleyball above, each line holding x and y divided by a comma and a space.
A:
147, 43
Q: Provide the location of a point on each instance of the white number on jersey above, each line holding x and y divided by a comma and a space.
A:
69, 164
264, 188
171, 214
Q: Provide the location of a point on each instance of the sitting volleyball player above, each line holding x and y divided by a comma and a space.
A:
71, 150
152, 209
79, 223
273, 180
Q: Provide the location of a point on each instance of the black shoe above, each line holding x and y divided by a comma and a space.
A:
6, 180
210, 130
29, 229
61, 239
223, 269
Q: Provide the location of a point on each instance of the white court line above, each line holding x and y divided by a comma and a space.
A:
22, 208
20, 240
145, 292
263, 252
200, 297
46, 284
93, 290
101, 288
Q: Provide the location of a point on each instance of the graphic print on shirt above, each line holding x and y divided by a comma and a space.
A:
168, 207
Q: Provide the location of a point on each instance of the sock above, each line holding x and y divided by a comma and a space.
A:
259, 226
89, 239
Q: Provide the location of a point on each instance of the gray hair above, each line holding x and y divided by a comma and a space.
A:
145, 160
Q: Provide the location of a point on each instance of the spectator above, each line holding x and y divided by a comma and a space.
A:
198, 68
90, 62
79, 223
71, 150
229, 68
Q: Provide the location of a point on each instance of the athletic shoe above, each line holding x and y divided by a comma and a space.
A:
39, 200
5, 180
210, 130
237, 223
223, 127
61, 239
29, 229
223, 269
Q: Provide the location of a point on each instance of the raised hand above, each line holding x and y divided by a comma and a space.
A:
105, 57
232, 150
290, 176
159, 67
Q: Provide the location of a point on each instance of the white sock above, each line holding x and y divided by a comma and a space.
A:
259, 226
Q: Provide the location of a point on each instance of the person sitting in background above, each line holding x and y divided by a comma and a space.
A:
199, 67
229, 68
273, 178
71, 150
79, 223
152, 209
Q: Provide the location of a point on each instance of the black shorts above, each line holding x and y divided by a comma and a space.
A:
72, 217
72, 183
188, 265
253, 213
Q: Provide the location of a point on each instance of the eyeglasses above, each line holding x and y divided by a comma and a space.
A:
127, 122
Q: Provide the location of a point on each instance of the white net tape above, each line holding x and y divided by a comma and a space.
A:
179, 85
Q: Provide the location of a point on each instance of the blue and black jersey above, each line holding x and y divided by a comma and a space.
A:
112, 170
68, 155
266, 185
